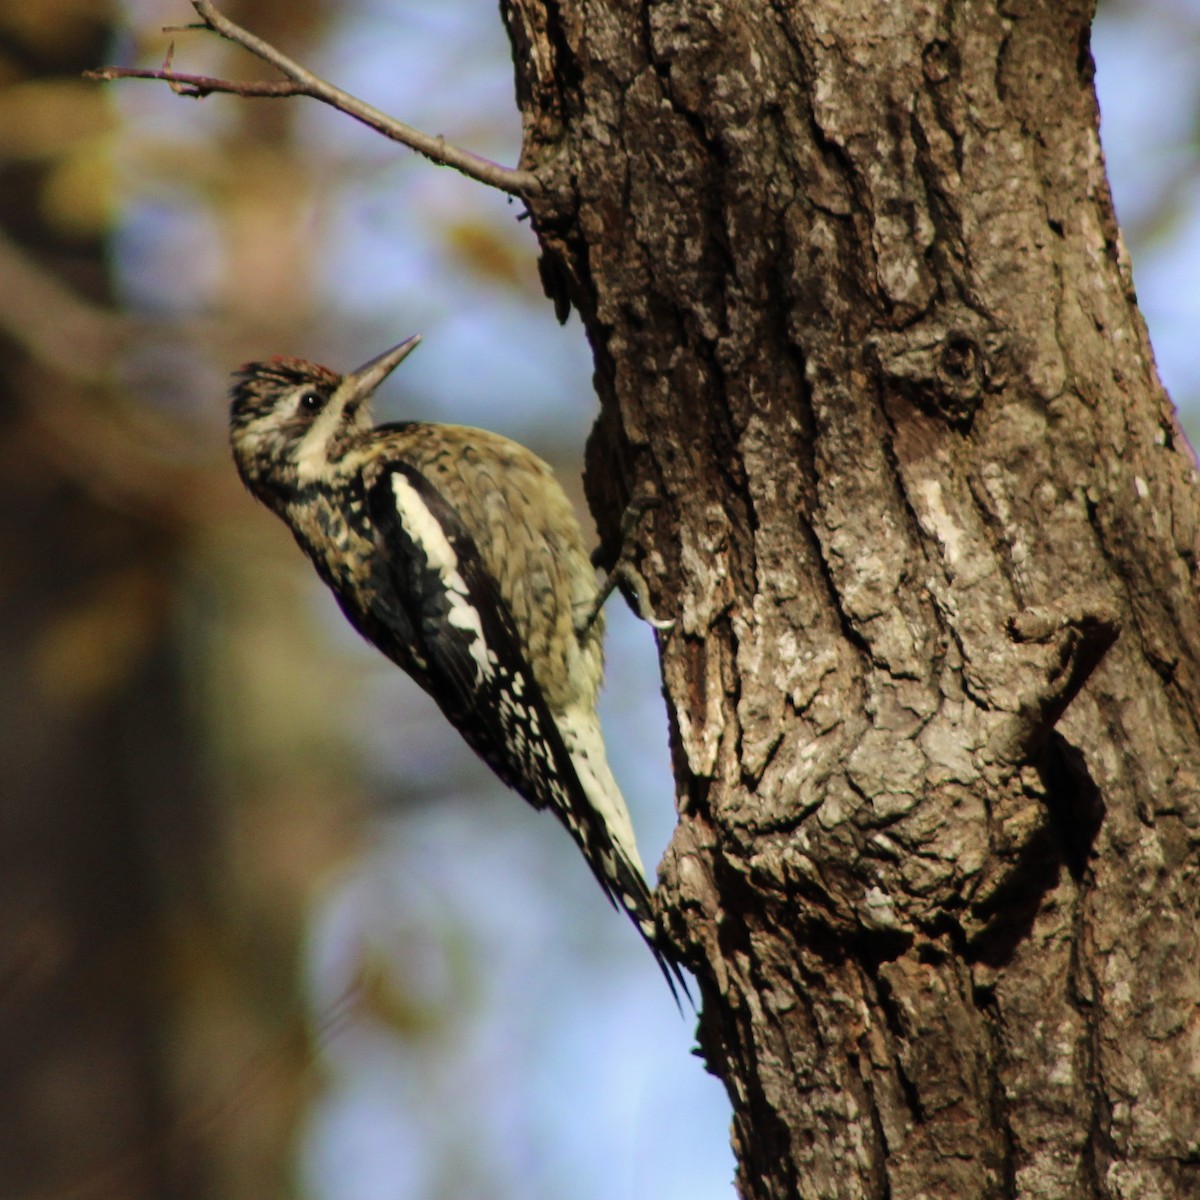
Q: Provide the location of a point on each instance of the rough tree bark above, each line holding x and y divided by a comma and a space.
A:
863, 322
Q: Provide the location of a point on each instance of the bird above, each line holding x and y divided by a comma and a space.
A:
456, 553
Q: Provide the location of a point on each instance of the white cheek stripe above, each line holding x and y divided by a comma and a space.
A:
312, 455
421, 525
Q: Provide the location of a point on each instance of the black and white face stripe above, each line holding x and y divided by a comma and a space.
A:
262, 386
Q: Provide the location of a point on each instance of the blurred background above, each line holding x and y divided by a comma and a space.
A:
267, 929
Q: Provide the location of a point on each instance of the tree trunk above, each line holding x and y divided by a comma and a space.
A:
863, 324
148, 1025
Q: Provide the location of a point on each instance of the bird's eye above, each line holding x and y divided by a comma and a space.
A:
312, 402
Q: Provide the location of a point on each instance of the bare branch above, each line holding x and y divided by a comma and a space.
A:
200, 86
302, 82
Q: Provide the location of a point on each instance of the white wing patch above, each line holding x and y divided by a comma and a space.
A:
421, 525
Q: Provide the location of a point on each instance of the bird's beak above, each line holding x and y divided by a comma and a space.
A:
358, 385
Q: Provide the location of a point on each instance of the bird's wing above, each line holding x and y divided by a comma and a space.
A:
477, 671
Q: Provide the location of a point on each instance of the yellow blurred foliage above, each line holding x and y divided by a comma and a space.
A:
484, 250
90, 649
382, 994
46, 118
78, 195
51, 26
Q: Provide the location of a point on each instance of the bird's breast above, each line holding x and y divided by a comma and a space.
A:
335, 531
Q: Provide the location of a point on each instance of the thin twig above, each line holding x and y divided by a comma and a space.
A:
302, 82
200, 86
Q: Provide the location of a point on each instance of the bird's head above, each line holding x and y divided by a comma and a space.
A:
290, 420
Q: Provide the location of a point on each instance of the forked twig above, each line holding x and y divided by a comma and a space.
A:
301, 82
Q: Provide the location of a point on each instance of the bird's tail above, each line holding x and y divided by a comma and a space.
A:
611, 847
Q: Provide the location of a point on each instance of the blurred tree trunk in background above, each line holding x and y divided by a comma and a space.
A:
863, 322
147, 1047
96, 775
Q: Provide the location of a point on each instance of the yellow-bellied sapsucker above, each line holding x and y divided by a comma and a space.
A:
456, 553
